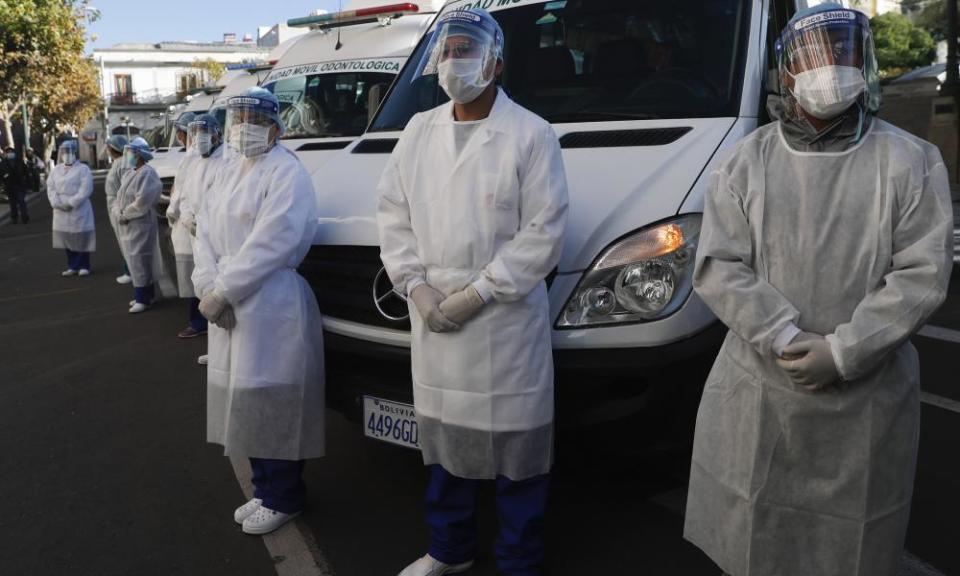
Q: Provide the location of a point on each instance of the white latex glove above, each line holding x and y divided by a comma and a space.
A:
427, 299
462, 306
810, 364
801, 337
213, 305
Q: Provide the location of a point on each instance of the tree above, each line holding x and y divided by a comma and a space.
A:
931, 15
900, 44
72, 101
41, 45
212, 69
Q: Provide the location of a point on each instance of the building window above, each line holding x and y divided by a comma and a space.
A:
187, 83
122, 89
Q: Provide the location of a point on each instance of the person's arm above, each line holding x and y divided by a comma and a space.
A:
52, 191
398, 244
724, 276
85, 191
145, 197
173, 209
204, 256
523, 262
913, 288
287, 212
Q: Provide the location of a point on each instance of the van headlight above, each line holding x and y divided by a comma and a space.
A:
643, 277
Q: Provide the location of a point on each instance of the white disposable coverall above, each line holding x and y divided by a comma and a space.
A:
72, 186
138, 194
856, 246
265, 382
494, 216
180, 202
110, 187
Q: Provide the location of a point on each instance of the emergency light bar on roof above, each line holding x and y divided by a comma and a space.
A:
354, 16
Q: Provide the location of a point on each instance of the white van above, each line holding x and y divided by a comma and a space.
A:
645, 97
330, 82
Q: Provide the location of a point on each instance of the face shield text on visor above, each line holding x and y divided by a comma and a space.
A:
464, 53
827, 63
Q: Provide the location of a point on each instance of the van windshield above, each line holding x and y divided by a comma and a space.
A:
326, 105
596, 60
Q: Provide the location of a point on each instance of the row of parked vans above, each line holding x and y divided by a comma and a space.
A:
645, 97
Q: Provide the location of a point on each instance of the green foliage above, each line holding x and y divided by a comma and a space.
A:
901, 45
42, 62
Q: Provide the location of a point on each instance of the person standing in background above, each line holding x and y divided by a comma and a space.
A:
69, 188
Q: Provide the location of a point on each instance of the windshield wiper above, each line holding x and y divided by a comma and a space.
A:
598, 116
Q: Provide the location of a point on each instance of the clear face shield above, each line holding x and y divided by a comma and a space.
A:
463, 53
130, 157
67, 155
202, 139
250, 130
827, 64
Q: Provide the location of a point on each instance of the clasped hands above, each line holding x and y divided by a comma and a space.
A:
446, 313
809, 363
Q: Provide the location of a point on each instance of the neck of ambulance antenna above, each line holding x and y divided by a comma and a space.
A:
479, 109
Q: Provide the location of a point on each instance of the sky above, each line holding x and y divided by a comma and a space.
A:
200, 20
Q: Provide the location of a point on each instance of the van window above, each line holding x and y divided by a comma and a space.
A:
325, 105
596, 60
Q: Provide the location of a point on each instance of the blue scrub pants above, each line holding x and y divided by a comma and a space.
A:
279, 483
144, 294
78, 260
521, 508
197, 321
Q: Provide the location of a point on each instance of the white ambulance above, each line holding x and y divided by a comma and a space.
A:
331, 81
645, 97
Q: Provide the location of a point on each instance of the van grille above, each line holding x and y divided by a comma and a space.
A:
342, 278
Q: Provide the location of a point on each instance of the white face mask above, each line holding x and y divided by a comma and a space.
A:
462, 79
203, 144
828, 91
250, 139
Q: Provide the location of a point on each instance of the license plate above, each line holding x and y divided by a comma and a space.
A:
392, 422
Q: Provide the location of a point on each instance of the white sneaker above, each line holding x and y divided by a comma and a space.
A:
203, 360
430, 566
245, 511
265, 520
124, 279
83, 272
138, 307
69, 272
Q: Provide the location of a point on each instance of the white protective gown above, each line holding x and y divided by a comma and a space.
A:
204, 175
72, 186
495, 213
111, 187
265, 381
180, 201
135, 202
856, 246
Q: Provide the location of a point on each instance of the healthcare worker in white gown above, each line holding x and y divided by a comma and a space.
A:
265, 386
69, 188
111, 186
178, 216
472, 213
206, 139
826, 244
137, 223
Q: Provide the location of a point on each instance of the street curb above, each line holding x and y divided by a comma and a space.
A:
293, 548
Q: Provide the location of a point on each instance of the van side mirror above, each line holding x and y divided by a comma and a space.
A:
374, 98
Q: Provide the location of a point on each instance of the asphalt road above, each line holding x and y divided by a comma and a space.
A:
106, 471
